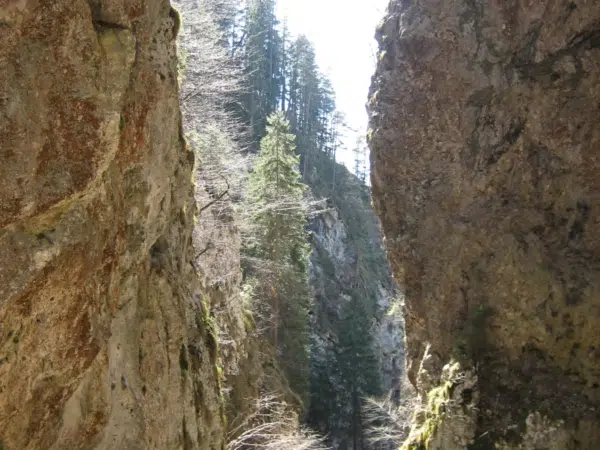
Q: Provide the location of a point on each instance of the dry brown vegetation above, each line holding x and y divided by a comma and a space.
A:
388, 420
273, 425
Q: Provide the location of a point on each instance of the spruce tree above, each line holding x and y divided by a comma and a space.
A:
277, 191
358, 363
262, 65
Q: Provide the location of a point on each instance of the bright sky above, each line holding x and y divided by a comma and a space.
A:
342, 32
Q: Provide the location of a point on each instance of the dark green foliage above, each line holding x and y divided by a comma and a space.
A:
282, 75
279, 240
358, 363
277, 193
356, 357
311, 105
348, 370
262, 64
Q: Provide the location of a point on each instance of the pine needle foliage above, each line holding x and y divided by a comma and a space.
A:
277, 191
279, 250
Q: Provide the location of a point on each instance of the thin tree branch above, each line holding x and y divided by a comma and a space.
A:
219, 197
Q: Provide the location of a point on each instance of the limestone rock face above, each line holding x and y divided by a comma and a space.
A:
104, 342
486, 155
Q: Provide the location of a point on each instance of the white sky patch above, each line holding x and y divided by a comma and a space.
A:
342, 32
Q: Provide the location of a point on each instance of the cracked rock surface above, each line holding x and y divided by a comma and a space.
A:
102, 344
486, 161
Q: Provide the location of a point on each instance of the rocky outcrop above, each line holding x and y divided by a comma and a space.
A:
332, 267
105, 338
485, 171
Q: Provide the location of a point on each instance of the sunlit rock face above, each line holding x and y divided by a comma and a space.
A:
102, 342
486, 155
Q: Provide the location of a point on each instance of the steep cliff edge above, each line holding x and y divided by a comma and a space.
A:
485, 171
105, 340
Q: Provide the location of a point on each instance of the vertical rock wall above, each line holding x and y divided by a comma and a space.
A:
486, 155
104, 341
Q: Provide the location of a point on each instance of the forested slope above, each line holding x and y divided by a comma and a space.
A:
342, 293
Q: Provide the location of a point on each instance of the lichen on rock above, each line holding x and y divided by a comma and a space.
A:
446, 417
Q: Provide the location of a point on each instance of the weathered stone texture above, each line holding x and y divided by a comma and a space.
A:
103, 337
486, 162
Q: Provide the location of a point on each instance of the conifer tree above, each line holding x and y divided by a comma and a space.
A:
276, 188
262, 65
360, 158
276, 191
358, 364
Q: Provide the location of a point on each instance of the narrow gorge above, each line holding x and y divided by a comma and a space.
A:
196, 255
135, 289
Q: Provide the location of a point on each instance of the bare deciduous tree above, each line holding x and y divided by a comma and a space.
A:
272, 426
388, 422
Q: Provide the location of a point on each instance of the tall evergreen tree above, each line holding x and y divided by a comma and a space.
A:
262, 64
281, 240
277, 190
305, 99
358, 364
360, 151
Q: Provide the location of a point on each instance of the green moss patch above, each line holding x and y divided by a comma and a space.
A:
435, 412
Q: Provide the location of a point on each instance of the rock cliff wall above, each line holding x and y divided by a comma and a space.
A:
485, 154
105, 340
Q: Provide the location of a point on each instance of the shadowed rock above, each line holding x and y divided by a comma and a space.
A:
485, 153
